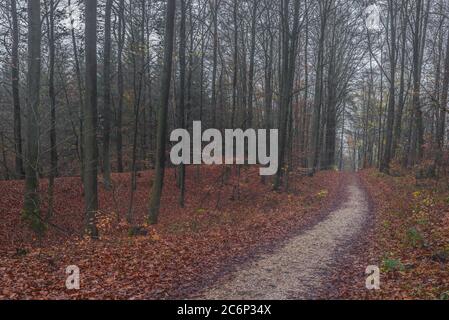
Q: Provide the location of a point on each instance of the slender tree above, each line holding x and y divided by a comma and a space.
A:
392, 13
314, 143
90, 119
50, 14
156, 192
79, 83
401, 102
289, 50
120, 84
215, 4
182, 86
107, 96
441, 125
31, 207
15, 92
252, 63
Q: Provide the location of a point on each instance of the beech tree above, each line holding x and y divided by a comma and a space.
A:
107, 95
90, 119
31, 207
15, 73
158, 181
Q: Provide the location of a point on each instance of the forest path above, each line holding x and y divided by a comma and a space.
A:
299, 269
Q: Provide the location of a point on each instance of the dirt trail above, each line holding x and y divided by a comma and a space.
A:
299, 269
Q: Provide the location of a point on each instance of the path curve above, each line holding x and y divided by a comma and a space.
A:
299, 269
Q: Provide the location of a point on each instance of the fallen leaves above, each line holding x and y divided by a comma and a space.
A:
223, 223
409, 225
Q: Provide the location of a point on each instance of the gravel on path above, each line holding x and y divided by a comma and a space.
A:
299, 269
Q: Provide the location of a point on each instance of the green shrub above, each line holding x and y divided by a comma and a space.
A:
414, 238
389, 265
444, 295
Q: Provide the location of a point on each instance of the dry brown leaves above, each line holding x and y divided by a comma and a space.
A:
408, 239
223, 223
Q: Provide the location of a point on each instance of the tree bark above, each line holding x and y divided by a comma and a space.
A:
443, 108
156, 191
90, 120
31, 208
251, 64
52, 95
235, 63
80, 88
385, 163
120, 84
289, 46
314, 144
182, 85
15, 93
107, 96
398, 118
215, 61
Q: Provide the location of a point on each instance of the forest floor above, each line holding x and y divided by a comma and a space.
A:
235, 238
300, 268
226, 222
407, 237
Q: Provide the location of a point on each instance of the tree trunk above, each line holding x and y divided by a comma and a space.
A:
182, 85
80, 88
90, 119
419, 37
289, 45
31, 208
314, 144
15, 92
156, 191
385, 163
138, 59
235, 64
107, 96
251, 64
443, 108
305, 127
52, 95
215, 61
120, 84
399, 112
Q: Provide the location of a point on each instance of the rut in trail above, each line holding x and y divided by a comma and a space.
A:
299, 269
